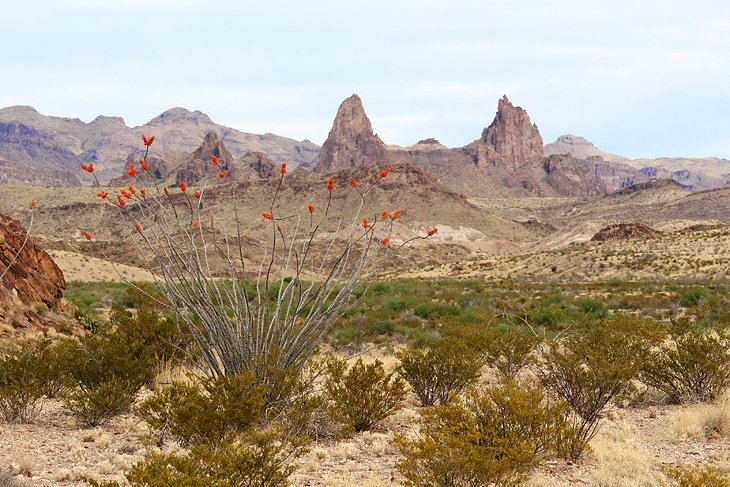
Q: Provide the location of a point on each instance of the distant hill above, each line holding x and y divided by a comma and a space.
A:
695, 174
46, 150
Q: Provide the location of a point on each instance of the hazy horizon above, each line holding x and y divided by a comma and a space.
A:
638, 80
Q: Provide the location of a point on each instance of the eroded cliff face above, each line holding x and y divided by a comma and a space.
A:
200, 167
351, 143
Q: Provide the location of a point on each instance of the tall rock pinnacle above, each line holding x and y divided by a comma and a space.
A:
351, 142
511, 140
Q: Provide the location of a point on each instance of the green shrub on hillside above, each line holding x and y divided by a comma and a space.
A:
21, 387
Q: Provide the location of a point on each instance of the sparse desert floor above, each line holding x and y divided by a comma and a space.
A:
633, 442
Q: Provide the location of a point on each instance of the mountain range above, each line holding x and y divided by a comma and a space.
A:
507, 159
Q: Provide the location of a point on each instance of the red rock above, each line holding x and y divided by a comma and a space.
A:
200, 168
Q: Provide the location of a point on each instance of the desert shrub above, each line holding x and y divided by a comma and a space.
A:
258, 459
208, 415
494, 436
363, 395
588, 371
550, 315
692, 296
512, 351
593, 307
445, 369
695, 476
150, 333
694, 366
105, 371
435, 310
20, 386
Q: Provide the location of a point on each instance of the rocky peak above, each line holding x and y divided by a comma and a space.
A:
351, 142
259, 164
511, 139
179, 115
200, 166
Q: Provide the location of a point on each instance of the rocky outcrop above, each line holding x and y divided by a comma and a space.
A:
200, 167
625, 231
261, 166
351, 142
31, 288
510, 141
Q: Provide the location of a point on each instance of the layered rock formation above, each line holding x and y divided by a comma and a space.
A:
39, 149
625, 231
351, 142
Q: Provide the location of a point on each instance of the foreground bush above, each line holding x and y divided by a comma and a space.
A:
495, 436
695, 476
253, 460
21, 387
363, 396
510, 352
693, 367
208, 415
443, 371
588, 371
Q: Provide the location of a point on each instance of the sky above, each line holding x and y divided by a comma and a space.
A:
639, 78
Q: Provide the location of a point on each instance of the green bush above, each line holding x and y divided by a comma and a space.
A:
692, 367
257, 459
593, 307
695, 476
495, 436
363, 396
692, 296
446, 369
21, 387
208, 415
435, 310
588, 371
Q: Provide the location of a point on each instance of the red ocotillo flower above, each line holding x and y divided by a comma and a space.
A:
131, 189
330, 184
214, 160
138, 227
222, 174
268, 216
311, 208
385, 214
32, 203
385, 241
87, 235
365, 222
196, 224
102, 194
353, 183
121, 201
148, 142
197, 194
126, 193
432, 232
88, 167
279, 228
132, 170
183, 186
385, 172
282, 171
143, 192
143, 165
395, 214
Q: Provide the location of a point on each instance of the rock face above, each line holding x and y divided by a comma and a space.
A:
625, 231
200, 166
511, 139
158, 170
31, 289
261, 166
34, 277
351, 142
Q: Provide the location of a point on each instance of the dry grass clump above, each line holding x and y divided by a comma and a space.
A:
700, 422
621, 461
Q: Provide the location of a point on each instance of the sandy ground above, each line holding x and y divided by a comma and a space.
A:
79, 267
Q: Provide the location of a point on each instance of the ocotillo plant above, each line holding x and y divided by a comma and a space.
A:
305, 280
